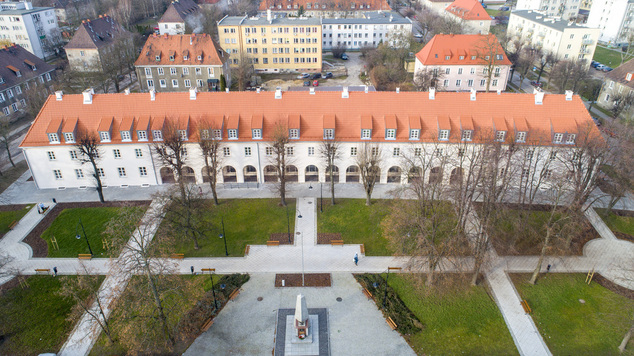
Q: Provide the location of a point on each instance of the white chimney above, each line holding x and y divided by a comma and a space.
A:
58, 95
499, 91
192, 93
152, 94
398, 90
191, 40
539, 97
344, 93
269, 18
312, 91
88, 96
28, 5
432, 93
473, 94
278, 93
127, 91
257, 90
366, 89
568, 95
226, 90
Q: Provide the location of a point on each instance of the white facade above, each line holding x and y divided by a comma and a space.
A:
172, 28
467, 77
613, 18
34, 29
566, 9
356, 33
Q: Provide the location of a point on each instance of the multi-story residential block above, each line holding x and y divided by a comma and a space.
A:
181, 62
438, 127
69, 11
566, 9
471, 15
619, 83
33, 28
585, 5
368, 30
463, 62
438, 6
93, 41
20, 71
177, 15
282, 44
614, 18
323, 8
565, 39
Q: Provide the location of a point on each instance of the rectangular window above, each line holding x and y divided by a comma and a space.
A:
571, 139
73, 155
233, 134
443, 135
353, 151
311, 151
269, 151
199, 71
183, 152
553, 155
521, 136
390, 134
79, 173
185, 70
499, 136
142, 135
559, 137
173, 71
257, 133
125, 136
69, 137
163, 83
525, 172
247, 151
461, 152
174, 83
51, 155
329, 134
529, 154
226, 151
375, 151
188, 83
150, 84
138, 152
414, 134
396, 151
143, 171
160, 71
57, 173
182, 134
148, 72
117, 153
101, 173
418, 151
217, 134
104, 135
121, 171
290, 151
366, 134
466, 135
293, 133
157, 135
482, 82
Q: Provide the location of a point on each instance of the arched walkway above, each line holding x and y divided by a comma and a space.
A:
250, 174
435, 176
270, 173
292, 174
312, 174
205, 175
415, 174
456, 176
229, 174
335, 173
167, 176
352, 174
188, 175
394, 175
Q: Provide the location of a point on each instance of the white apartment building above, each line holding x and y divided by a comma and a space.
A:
566, 9
33, 28
438, 127
613, 18
566, 39
177, 15
370, 29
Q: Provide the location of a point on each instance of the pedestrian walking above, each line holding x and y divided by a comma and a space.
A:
548, 268
356, 259
192, 269
54, 271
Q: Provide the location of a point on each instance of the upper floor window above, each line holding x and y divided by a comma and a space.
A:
53, 138
466, 135
366, 134
104, 135
443, 135
353, 151
217, 134
499, 135
521, 136
117, 153
293, 133
232, 134
329, 134
269, 151
51, 155
390, 134
558, 138
157, 135
69, 137
247, 151
125, 136
256, 133
414, 134
138, 152
571, 139
142, 135
182, 134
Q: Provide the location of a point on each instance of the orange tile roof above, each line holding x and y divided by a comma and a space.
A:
256, 121
390, 121
520, 124
330, 122
143, 123
105, 124
466, 122
126, 123
366, 122
499, 123
179, 46
70, 124
477, 46
293, 121
445, 112
368, 5
468, 10
414, 122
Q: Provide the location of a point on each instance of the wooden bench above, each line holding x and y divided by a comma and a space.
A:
391, 323
177, 256
336, 242
234, 294
527, 308
13, 224
84, 256
272, 243
362, 247
246, 250
208, 324
208, 270
367, 293
42, 271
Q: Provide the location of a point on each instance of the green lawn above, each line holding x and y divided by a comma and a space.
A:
463, 320
247, 222
10, 175
609, 57
357, 223
7, 217
34, 320
570, 327
65, 227
624, 224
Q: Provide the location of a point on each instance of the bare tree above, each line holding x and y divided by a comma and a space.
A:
491, 54
172, 152
545, 59
185, 217
330, 153
280, 146
428, 78
242, 71
369, 162
621, 102
211, 147
89, 148
5, 139
338, 50
525, 63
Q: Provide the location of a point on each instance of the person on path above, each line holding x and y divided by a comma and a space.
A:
54, 271
356, 259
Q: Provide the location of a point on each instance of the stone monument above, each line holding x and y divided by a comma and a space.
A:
302, 322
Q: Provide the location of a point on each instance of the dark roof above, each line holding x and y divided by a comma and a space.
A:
619, 74
93, 34
179, 10
17, 58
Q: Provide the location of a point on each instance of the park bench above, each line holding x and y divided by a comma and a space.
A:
42, 271
272, 243
234, 294
13, 224
84, 256
527, 309
177, 256
336, 243
246, 250
391, 323
362, 247
367, 293
208, 324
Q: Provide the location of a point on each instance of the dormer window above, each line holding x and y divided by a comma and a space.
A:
570, 140
366, 134
443, 135
232, 134
500, 135
104, 136
256, 134
414, 134
53, 138
200, 58
172, 58
157, 135
142, 135
447, 57
293, 134
473, 58
204, 134
126, 136
521, 136
558, 138
390, 134
158, 57
69, 137
217, 134
499, 57
461, 57
185, 57
182, 134
329, 134
467, 135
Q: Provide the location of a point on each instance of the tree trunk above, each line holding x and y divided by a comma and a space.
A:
159, 305
332, 188
626, 338
368, 197
6, 146
99, 186
541, 258
283, 191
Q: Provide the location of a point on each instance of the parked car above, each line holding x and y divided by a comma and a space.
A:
303, 76
537, 84
315, 83
484, 5
599, 66
306, 83
316, 75
344, 57
504, 8
597, 121
328, 75
594, 64
606, 69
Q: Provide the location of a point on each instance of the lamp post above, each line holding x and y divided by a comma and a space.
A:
223, 235
213, 291
386, 279
78, 236
321, 199
288, 225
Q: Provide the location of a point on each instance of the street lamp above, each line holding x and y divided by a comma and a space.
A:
78, 236
302, 258
212, 271
386, 279
288, 225
321, 199
223, 235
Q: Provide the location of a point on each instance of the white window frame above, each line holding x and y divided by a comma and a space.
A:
366, 134
521, 136
104, 136
122, 172
142, 171
558, 138
247, 152
232, 134
116, 153
69, 137
256, 134
57, 174
500, 136
443, 135
79, 173
570, 140
414, 134
329, 134
142, 135
293, 134
126, 136
467, 135
138, 153
354, 151
390, 134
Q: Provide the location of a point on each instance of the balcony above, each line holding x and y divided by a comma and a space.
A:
585, 51
587, 42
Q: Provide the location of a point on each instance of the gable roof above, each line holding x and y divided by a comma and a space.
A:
94, 34
180, 46
14, 58
179, 10
619, 74
468, 10
368, 5
465, 46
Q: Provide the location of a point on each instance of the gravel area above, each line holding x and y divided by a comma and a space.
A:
310, 280
325, 238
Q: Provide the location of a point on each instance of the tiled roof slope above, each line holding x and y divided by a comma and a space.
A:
94, 34
455, 46
448, 108
368, 5
17, 57
619, 74
468, 10
180, 46
179, 10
